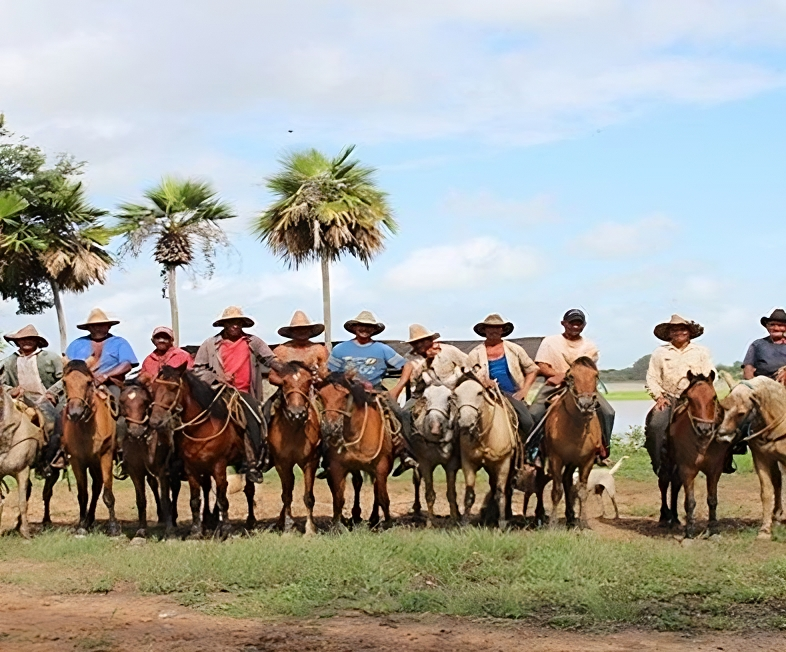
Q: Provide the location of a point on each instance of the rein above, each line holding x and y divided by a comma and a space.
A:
199, 419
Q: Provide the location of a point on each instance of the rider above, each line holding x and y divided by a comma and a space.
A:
767, 355
506, 364
667, 377
370, 360
165, 354
555, 355
238, 359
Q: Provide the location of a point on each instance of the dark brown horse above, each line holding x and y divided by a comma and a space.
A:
293, 438
692, 447
353, 427
207, 437
89, 441
147, 454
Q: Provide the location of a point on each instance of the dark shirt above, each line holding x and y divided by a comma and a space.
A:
498, 370
765, 357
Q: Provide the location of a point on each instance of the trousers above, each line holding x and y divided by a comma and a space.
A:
656, 429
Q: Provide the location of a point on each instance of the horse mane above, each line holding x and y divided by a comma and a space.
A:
766, 390
137, 384
359, 394
203, 394
77, 365
466, 376
585, 361
293, 366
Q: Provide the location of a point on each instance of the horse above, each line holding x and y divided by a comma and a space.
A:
207, 440
20, 442
352, 426
147, 454
692, 447
89, 441
572, 439
487, 439
759, 404
432, 445
293, 438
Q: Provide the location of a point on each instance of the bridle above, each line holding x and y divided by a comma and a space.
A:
86, 401
588, 411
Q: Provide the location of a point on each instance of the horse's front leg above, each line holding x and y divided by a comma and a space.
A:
381, 497
97, 477
22, 481
450, 475
195, 487
309, 474
286, 473
222, 500
763, 467
470, 473
541, 480
777, 486
676, 485
166, 499
500, 492
570, 495
337, 480
80, 477
712, 499
664, 480
690, 502
250, 491
138, 478
152, 481
582, 495
357, 484
431, 495
555, 469
108, 494
416, 506
49, 485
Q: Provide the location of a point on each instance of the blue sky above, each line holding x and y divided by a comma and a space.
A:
625, 157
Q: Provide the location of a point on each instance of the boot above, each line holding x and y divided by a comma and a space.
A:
121, 473
406, 462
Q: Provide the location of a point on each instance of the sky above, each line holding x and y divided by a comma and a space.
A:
625, 157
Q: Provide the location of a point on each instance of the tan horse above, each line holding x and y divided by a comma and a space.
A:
293, 438
759, 405
353, 428
89, 442
572, 439
487, 439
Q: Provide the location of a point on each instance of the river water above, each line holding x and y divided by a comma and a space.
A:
629, 413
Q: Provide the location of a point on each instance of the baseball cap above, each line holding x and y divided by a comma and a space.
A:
574, 314
163, 330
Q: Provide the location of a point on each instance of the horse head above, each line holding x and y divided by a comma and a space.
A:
79, 387
134, 406
582, 382
167, 391
744, 404
470, 397
439, 412
338, 393
296, 383
702, 403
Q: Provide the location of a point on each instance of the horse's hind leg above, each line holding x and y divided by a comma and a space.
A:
469, 492
80, 475
250, 491
49, 484
222, 501
309, 473
764, 471
381, 497
570, 495
108, 494
357, 484
338, 484
416, 506
500, 492
141, 502
287, 475
676, 485
154, 487
555, 469
541, 480
450, 475
664, 481
777, 486
712, 501
23, 480
195, 488
431, 495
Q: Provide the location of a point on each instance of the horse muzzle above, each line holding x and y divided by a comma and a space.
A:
76, 411
298, 414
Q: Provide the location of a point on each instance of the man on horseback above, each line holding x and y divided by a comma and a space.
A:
667, 378
238, 359
164, 354
555, 355
766, 356
505, 364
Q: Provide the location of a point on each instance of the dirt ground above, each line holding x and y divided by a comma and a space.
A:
125, 620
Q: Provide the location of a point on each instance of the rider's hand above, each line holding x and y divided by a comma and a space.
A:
16, 392
51, 398
661, 404
100, 378
556, 380
520, 395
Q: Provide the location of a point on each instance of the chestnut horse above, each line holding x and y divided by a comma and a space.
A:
572, 439
207, 440
89, 441
353, 428
293, 438
692, 447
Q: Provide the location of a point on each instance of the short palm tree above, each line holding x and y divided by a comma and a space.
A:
324, 209
181, 218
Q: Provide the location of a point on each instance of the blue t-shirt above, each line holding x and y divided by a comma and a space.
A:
498, 370
116, 350
766, 357
370, 361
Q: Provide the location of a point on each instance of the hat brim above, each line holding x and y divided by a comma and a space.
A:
86, 326
246, 322
480, 329
766, 320
430, 336
353, 323
42, 342
289, 331
663, 331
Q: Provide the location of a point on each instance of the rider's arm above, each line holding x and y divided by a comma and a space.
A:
529, 381
406, 375
748, 371
115, 372
552, 376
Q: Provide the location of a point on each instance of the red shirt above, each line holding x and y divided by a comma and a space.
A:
174, 357
236, 360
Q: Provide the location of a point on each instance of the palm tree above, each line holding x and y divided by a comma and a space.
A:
181, 217
324, 209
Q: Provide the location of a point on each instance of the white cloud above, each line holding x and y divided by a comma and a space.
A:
475, 263
625, 240
484, 205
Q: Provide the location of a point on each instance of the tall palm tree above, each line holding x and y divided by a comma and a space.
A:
181, 218
324, 209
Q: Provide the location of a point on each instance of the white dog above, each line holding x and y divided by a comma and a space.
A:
601, 480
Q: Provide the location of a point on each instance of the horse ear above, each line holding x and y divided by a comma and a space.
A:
690, 376
182, 369
712, 376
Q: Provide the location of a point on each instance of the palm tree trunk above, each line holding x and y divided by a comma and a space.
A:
61, 320
326, 302
171, 281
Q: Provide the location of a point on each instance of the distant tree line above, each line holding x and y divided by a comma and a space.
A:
637, 372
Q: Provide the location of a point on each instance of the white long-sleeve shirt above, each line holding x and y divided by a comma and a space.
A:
669, 366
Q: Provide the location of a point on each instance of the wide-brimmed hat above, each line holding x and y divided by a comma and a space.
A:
163, 330
419, 332
663, 331
301, 321
30, 332
779, 314
367, 318
97, 316
231, 313
493, 320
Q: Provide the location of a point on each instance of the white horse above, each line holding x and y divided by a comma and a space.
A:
487, 435
433, 444
20, 441
760, 403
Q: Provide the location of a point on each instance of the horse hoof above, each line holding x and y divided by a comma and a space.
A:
141, 533
339, 528
504, 526
81, 533
114, 530
138, 541
24, 532
429, 524
311, 530
764, 536
251, 523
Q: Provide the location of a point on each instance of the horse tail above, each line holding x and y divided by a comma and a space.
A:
614, 468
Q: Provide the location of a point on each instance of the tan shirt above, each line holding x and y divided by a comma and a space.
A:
669, 366
519, 363
29, 378
559, 352
447, 365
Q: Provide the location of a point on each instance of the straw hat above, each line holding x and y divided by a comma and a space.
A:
97, 316
662, 331
163, 330
301, 320
419, 332
234, 312
366, 318
779, 314
493, 320
27, 331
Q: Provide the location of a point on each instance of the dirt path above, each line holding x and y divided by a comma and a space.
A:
120, 621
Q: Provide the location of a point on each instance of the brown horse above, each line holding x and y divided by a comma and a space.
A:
293, 438
353, 427
572, 439
207, 440
89, 441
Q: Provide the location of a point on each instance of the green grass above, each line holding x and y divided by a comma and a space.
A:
628, 396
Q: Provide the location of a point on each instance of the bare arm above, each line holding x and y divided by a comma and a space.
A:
552, 377
748, 371
120, 370
406, 374
529, 380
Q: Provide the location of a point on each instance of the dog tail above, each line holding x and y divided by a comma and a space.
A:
614, 468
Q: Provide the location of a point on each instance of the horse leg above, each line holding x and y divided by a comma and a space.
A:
209, 518
309, 474
166, 501
108, 494
22, 481
450, 475
469, 492
287, 475
357, 483
676, 485
581, 493
222, 500
431, 495
195, 488
141, 502
416, 506
381, 496
95, 493
540, 507
80, 475
777, 486
664, 480
174, 486
764, 471
49, 485
501, 494
570, 495
338, 484
712, 501
152, 481
555, 469
250, 491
